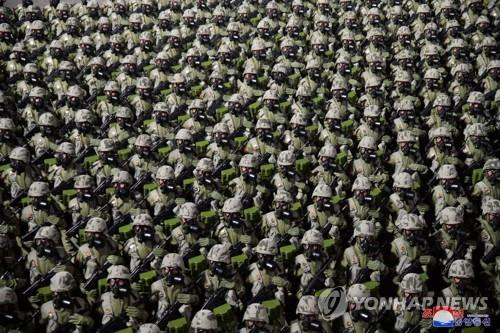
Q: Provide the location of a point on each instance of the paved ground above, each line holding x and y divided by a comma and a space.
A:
39, 3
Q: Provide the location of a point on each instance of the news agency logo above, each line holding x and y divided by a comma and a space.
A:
447, 317
332, 303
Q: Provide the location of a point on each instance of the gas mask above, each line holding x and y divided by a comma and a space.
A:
5, 136
122, 190
40, 202
255, 329
282, 211
492, 176
206, 177
271, 104
37, 101
162, 118
191, 226
84, 127
279, 77
84, 194
476, 108
221, 139
48, 131
362, 196
120, 290
146, 45
374, 91
218, 268
18, 165
184, 146
267, 262
166, 185
411, 237
361, 315
179, 88
314, 73
174, 42
8, 317
174, 278
368, 155
250, 175
328, 163
368, 245
63, 300
165, 24
287, 171
250, 79
44, 248
494, 221
313, 252
403, 87
462, 285
311, 325
323, 204
233, 220
449, 184
109, 157
299, 130
98, 71
144, 233
194, 61
74, 102
95, 240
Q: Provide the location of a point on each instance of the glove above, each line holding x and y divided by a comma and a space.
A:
34, 299
91, 295
375, 265
159, 252
135, 286
203, 241
132, 311
245, 239
113, 260
278, 281
187, 298
424, 260
78, 319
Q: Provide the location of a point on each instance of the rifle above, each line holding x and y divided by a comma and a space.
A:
98, 274
42, 280
102, 186
223, 165
18, 197
460, 103
140, 182
31, 131
168, 315
143, 116
313, 284
414, 267
39, 159
79, 158
193, 251
145, 262
115, 324
459, 253
186, 172
163, 213
236, 249
83, 71
105, 125
82, 221
210, 302
491, 255
264, 294
119, 222
52, 75
30, 234
65, 328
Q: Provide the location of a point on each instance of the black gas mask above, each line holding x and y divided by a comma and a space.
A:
287, 171
403, 87
283, 210
166, 185
449, 184
96, 240
84, 194
120, 288
314, 73
233, 220
191, 226
368, 245
250, 79
368, 155
442, 143
323, 204
74, 102
476, 108
5, 135
173, 277
279, 77
492, 176
165, 24
40, 202
185, 146
144, 233
48, 131
63, 300
363, 196
37, 101
361, 315
249, 174
271, 104
313, 252
45, 248
406, 148
98, 71
84, 127
299, 130
310, 323
218, 268
122, 189
328, 163
18, 165
8, 315
411, 237
266, 261
109, 157
179, 88
374, 91
162, 118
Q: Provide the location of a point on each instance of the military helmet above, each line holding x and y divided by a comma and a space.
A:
75, 91
372, 81
492, 164
188, 210
48, 232
334, 112
327, 150
322, 190
122, 177
367, 142
461, 268
144, 83
475, 129
129, 59
37, 25
172, 260
112, 86
21, 154
47, 119
204, 320
490, 206
97, 61
361, 183
451, 216
440, 132
406, 136
447, 171
30, 68
372, 111
364, 228
263, 123
62, 282
221, 128
248, 161
403, 180
475, 97
39, 189
124, 112
7, 124
220, 253
256, 312
83, 181
205, 165
66, 66
37, 92
143, 220
7, 296
165, 172
402, 76
312, 237
161, 107
283, 196
232, 205
106, 145
84, 115
298, 119
357, 293
118, 272
184, 134
148, 328
308, 305
143, 140
267, 246
432, 74
286, 158
96, 224
197, 104
411, 222
412, 283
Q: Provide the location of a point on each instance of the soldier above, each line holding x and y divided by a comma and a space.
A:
82, 136
206, 189
173, 289
142, 162
107, 165
86, 203
12, 317
411, 290
490, 232
255, 318
404, 198
363, 260
361, 205
233, 229
8, 139
162, 199
43, 142
320, 213
287, 178
407, 157
461, 275
20, 175
123, 132
308, 317
191, 237
65, 309
121, 306
183, 158
449, 192
489, 186
43, 210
